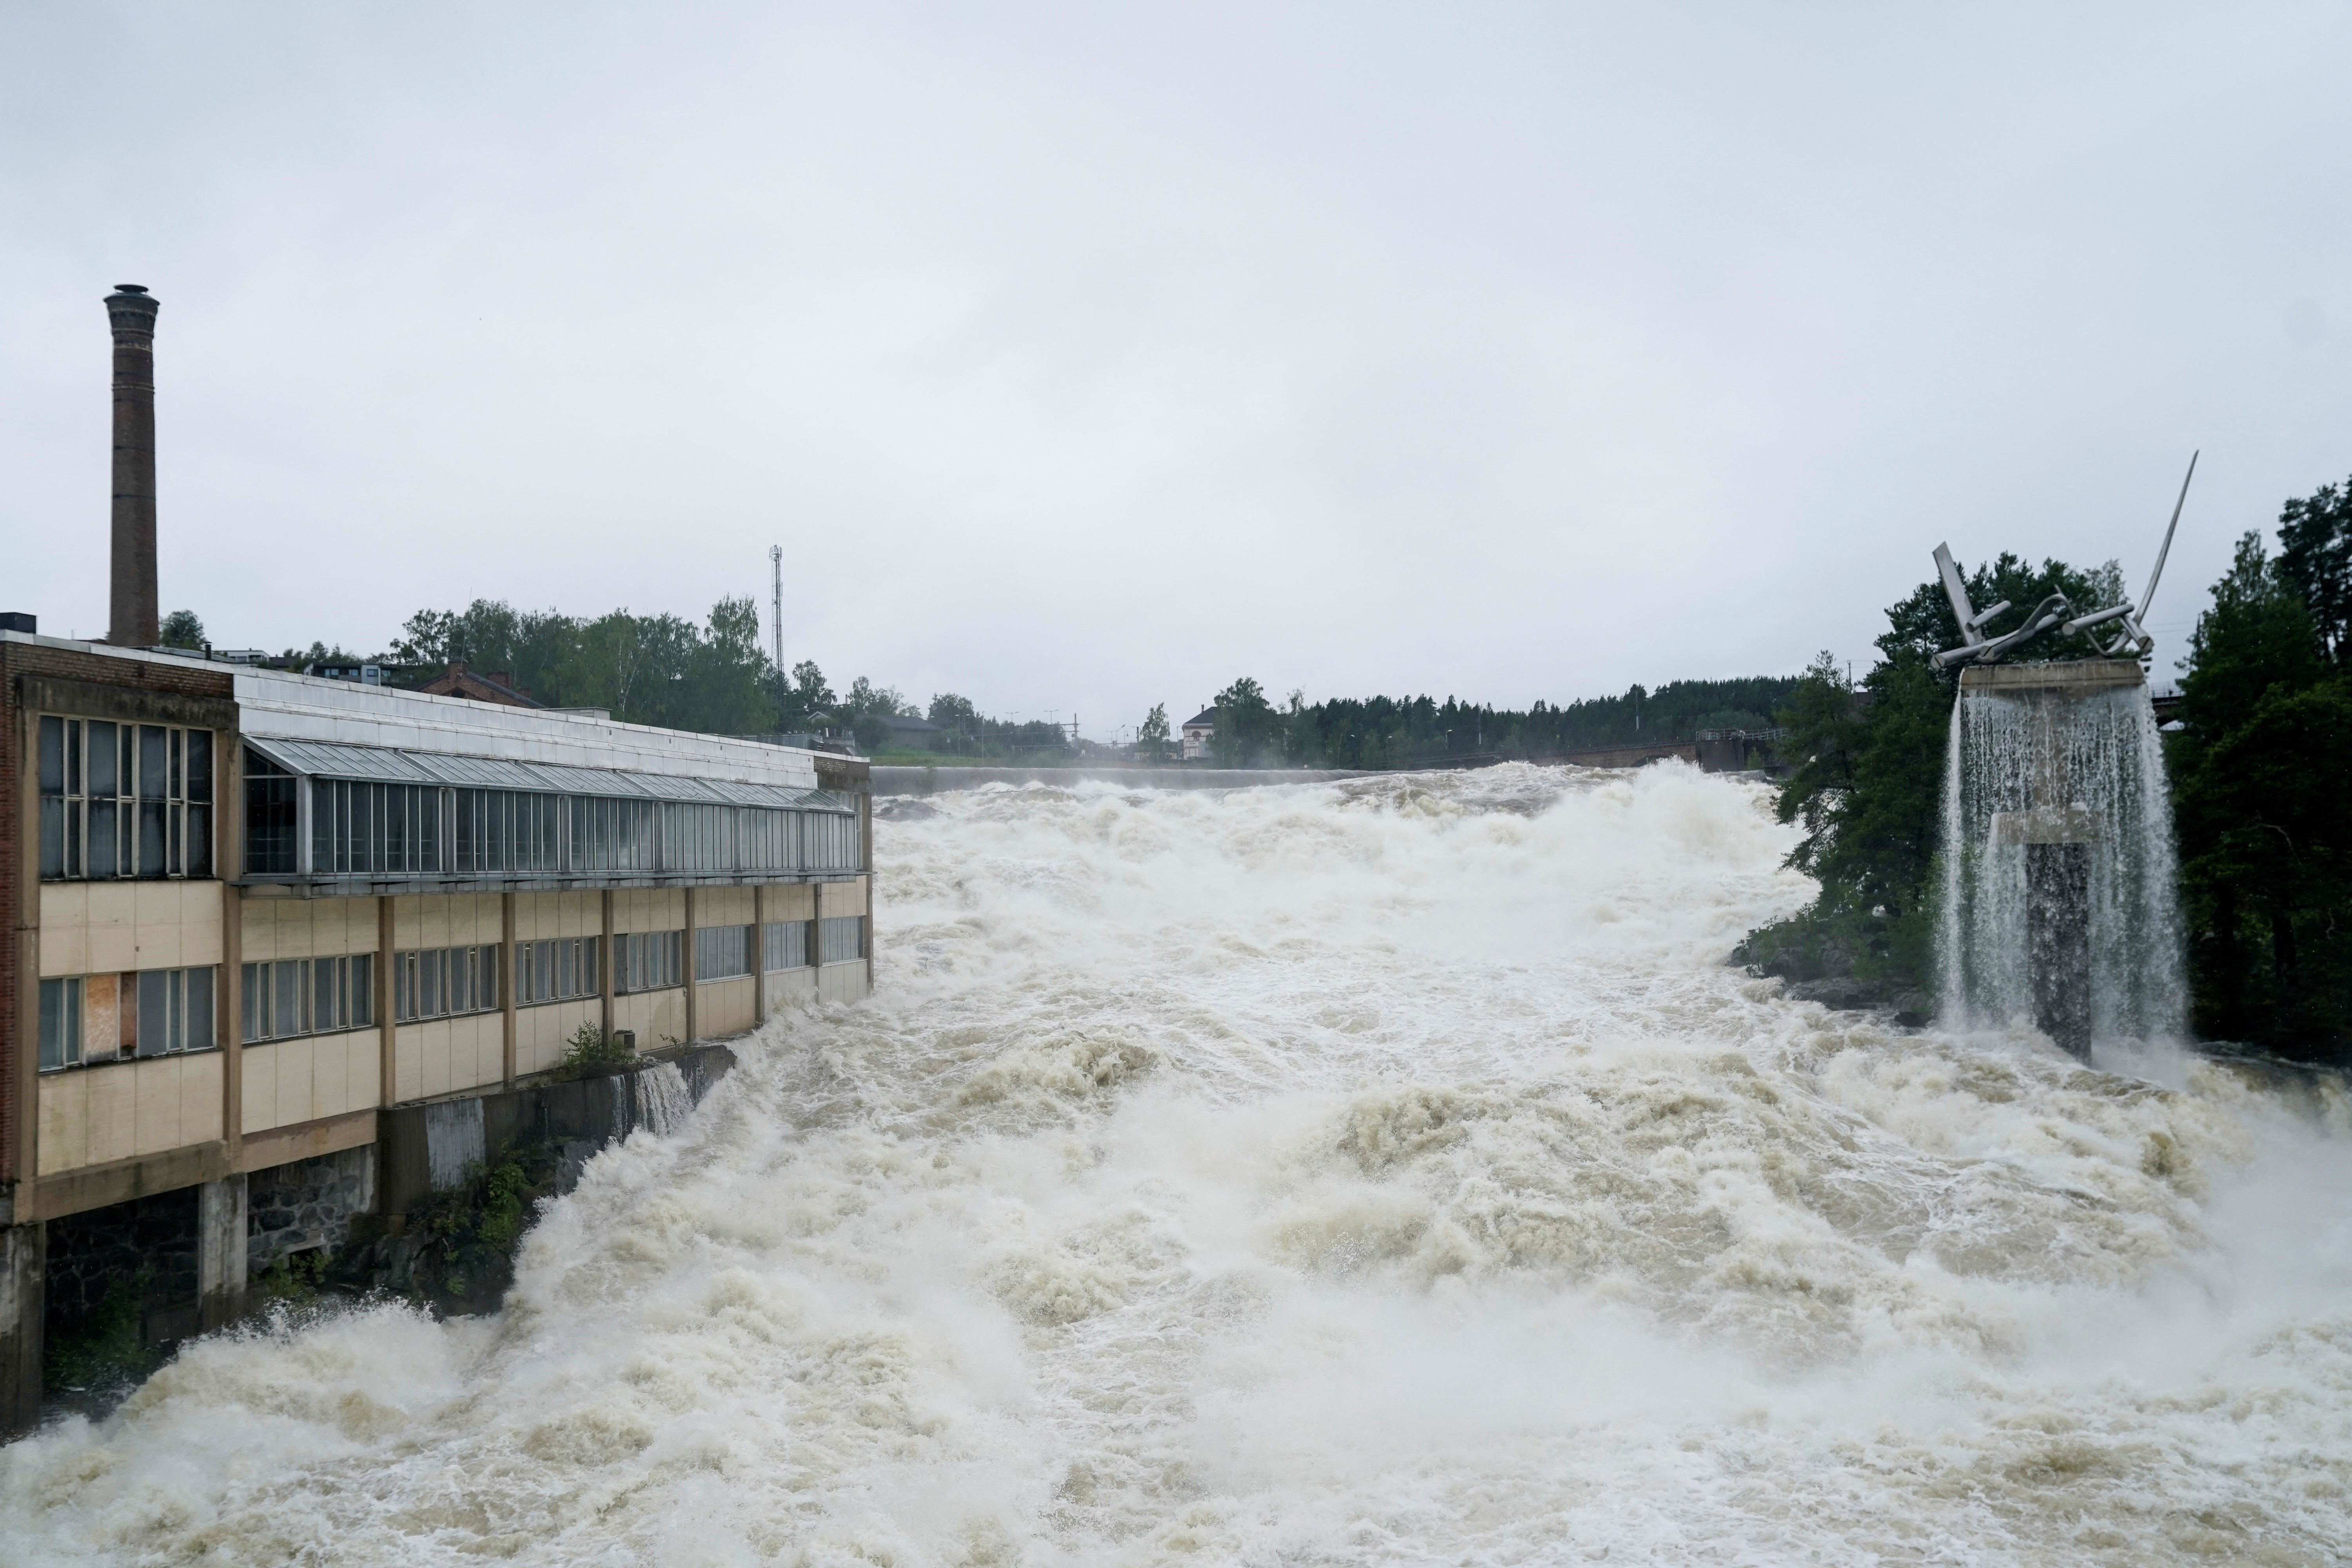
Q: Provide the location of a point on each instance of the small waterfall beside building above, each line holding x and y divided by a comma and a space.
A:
2060, 894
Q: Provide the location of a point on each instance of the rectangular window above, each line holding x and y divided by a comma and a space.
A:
650, 960
834, 842
175, 1011
124, 800
441, 981
309, 996
610, 835
60, 1024
721, 953
844, 936
787, 945
557, 969
270, 817
359, 828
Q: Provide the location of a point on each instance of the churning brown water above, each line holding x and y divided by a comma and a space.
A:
1375, 1174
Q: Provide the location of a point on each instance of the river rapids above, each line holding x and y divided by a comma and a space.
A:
1388, 1172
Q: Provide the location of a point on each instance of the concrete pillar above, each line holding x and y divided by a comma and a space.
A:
2056, 832
604, 971
21, 1302
759, 955
221, 1251
693, 981
2058, 942
386, 1014
132, 610
507, 996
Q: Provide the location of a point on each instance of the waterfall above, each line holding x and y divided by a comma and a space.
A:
664, 1100
2060, 900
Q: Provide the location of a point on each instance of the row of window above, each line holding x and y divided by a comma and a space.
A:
288, 998
406, 830
125, 800
102, 1017
445, 982
555, 970
158, 1011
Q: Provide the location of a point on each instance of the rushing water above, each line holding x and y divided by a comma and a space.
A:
1376, 1174
2088, 768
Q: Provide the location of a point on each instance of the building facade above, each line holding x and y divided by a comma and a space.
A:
1199, 733
250, 910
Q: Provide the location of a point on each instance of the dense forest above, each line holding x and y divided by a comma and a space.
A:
1409, 731
2258, 767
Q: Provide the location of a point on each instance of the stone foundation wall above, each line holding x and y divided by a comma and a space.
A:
148, 1244
307, 1203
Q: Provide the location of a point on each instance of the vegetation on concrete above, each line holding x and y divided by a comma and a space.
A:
104, 1349
2257, 771
465, 1260
592, 1053
1866, 781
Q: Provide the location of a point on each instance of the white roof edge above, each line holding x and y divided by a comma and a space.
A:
281, 703
301, 707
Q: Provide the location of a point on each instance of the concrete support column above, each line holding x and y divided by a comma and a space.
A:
228, 1018
604, 971
221, 1251
693, 983
386, 992
506, 994
22, 1247
759, 955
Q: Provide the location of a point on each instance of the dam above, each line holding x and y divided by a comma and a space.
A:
1371, 1171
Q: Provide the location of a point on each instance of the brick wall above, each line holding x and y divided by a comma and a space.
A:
19, 868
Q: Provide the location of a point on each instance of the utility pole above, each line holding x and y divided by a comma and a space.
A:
776, 561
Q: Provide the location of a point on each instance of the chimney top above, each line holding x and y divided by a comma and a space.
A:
131, 287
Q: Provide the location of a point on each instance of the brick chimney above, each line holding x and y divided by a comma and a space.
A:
131, 617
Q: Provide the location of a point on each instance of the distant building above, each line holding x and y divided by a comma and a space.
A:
496, 687
1199, 730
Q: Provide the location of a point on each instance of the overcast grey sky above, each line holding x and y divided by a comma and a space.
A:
1084, 357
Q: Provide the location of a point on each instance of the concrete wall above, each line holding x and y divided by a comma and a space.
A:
722, 1008
797, 903
307, 1079
87, 928
722, 906
306, 928
446, 920
658, 1017
542, 915
648, 909
92, 1115
543, 1033
442, 1056
790, 988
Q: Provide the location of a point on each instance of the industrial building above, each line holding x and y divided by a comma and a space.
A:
251, 913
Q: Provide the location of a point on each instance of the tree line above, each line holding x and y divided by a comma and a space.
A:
2257, 768
1376, 732
665, 669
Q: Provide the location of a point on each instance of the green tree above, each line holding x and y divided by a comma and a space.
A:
2265, 818
2316, 560
1248, 734
1154, 741
181, 629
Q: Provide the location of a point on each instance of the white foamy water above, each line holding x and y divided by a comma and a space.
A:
1377, 1174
